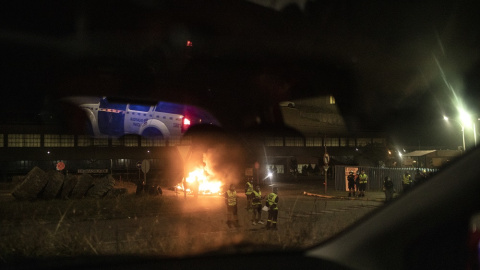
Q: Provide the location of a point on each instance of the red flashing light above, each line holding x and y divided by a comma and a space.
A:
189, 43
185, 124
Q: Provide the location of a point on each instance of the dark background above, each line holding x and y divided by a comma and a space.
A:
393, 67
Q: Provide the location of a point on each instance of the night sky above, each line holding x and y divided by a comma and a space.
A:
392, 67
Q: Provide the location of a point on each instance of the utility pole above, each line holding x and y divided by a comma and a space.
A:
326, 160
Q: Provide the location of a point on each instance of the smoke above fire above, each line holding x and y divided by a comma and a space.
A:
225, 162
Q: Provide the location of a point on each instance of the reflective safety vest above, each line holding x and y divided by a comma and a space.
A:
362, 178
407, 179
249, 188
257, 199
232, 197
271, 200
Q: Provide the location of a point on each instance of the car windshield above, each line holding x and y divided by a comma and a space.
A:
178, 128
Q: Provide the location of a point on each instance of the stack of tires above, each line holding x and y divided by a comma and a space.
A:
38, 184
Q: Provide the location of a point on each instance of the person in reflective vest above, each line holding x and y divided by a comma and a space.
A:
406, 181
231, 202
272, 204
257, 206
249, 193
362, 180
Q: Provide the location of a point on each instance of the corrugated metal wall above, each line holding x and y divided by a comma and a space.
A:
376, 176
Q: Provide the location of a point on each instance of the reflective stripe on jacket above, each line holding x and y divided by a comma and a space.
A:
249, 188
271, 201
257, 198
407, 179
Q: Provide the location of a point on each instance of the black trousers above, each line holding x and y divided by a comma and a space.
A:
272, 216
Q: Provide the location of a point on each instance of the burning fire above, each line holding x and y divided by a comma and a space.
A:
207, 184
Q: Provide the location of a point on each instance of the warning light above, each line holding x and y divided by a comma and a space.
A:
185, 124
189, 43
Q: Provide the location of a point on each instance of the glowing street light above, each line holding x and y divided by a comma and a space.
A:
466, 120
463, 130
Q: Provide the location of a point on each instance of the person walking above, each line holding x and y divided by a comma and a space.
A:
272, 204
351, 184
406, 182
249, 193
362, 180
257, 206
231, 202
388, 188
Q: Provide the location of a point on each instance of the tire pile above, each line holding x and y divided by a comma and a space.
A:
38, 184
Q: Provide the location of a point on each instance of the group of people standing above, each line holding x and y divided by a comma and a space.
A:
407, 183
254, 205
357, 183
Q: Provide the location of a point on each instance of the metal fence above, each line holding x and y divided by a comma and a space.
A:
376, 176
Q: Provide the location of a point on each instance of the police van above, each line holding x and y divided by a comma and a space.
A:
164, 120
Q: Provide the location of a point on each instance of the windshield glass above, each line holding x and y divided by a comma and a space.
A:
175, 128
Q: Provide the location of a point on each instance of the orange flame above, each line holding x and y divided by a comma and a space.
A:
207, 184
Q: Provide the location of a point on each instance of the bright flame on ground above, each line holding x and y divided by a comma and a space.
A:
207, 184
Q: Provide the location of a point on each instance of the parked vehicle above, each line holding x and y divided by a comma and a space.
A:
164, 120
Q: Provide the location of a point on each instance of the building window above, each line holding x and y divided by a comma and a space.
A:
151, 142
271, 168
130, 141
117, 141
363, 141
274, 141
314, 141
343, 142
293, 141
24, 140
67, 140
125, 164
23, 165
1, 140
100, 141
55, 140
301, 168
379, 141
51, 140
174, 141
332, 100
83, 140
331, 142
120, 163
351, 142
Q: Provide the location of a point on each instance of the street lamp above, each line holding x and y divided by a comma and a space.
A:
466, 119
463, 130
475, 131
